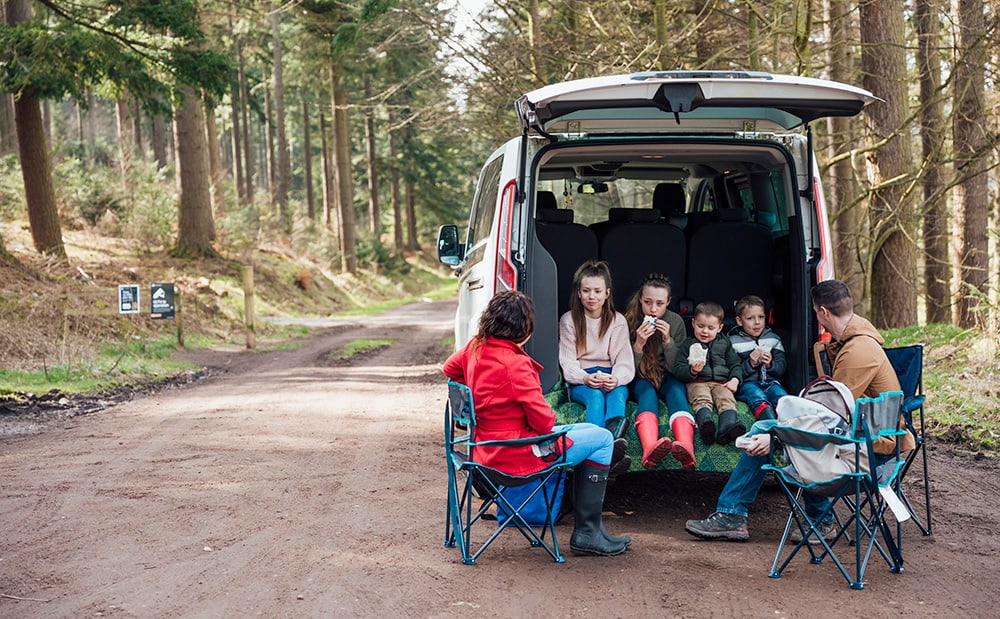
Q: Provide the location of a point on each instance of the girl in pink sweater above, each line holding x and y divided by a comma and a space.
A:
594, 351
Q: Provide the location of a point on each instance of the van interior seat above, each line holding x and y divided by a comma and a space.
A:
618, 216
727, 260
555, 216
570, 244
669, 201
634, 250
697, 221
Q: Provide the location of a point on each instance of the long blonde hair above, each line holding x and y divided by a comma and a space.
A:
650, 366
590, 268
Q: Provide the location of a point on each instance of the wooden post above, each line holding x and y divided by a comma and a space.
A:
65, 326
249, 318
178, 316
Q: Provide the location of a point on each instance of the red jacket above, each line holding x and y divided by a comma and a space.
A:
508, 400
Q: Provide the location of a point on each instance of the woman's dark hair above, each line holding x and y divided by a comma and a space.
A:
510, 315
590, 268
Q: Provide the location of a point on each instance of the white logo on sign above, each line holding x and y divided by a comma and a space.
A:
160, 293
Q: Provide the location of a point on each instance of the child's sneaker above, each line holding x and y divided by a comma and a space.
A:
719, 526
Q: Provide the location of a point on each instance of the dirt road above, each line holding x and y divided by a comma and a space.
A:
287, 485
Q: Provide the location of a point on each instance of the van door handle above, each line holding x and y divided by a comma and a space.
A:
474, 284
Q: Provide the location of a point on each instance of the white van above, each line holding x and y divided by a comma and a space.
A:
706, 176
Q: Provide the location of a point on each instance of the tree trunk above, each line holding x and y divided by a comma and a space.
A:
660, 29
849, 226
803, 31
32, 147
217, 175
538, 71
159, 140
411, 216
195, 226
245, 120
126, 142
329, 199
282, 164
269, 142
235, 107
971, 153
937, 266
307, 159
890, 211
8, 131
342, 169
754, 42
137, 128
396, 197
373, 208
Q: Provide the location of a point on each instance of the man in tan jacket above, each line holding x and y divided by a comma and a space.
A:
854, 357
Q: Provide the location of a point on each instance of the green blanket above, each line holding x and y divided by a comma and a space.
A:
713, 458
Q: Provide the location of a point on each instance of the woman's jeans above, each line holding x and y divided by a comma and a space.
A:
591, 444
746, 479
756, 393
601, 406
672, 391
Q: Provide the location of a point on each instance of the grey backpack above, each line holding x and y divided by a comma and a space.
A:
823, 408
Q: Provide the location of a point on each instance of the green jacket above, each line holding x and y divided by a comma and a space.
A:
721, 364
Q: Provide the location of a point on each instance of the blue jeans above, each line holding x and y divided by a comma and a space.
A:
591, 444
756, 393
746, 479
672, 391
600, 405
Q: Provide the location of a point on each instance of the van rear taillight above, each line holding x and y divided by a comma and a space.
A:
824, 268
506, 274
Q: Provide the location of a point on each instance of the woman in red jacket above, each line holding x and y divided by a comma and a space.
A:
510, 404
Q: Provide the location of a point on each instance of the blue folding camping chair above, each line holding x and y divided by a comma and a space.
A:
908, 362
468, 480
850, 482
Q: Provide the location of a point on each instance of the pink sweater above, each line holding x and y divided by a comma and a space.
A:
612, 350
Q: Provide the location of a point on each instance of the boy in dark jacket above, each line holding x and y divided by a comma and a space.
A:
709, 365
763, 358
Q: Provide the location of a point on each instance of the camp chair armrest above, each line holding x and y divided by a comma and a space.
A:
518, 442
914, 403
889, 433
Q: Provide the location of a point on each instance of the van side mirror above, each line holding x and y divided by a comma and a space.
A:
448, 248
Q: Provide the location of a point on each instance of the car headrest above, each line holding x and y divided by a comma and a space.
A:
546, 200
633, 215
668, 199
553, 216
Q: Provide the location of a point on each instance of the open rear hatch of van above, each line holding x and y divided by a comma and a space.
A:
686, 101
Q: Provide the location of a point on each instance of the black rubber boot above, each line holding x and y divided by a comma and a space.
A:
616, 426
706, 425
620, 460
567, 507
588, 538
729, 427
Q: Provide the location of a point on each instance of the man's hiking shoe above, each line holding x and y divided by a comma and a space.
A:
827, 529
719, 526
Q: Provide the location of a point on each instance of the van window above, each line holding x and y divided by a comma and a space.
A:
483, 210
589, 208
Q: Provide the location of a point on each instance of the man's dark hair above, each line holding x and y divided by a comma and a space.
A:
835, 296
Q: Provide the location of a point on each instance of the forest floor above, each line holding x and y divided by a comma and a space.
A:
285, 483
